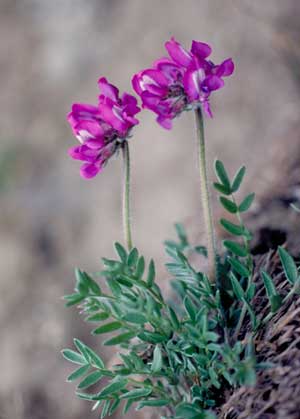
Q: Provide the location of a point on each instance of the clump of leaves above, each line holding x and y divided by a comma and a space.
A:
176, 357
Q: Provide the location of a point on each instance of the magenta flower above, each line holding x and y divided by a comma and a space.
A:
181, 82
101, 129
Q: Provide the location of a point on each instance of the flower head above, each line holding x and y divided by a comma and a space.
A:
101, 129
184, 80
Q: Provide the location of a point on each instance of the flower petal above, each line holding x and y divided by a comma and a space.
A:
225, 69
108, 90
88, 171
200, 49
192, 81
164, 122
178, 53
212, 83
112, 114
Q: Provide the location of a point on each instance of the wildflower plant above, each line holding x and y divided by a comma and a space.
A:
181, 353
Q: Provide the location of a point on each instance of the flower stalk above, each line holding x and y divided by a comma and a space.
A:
205, 197
126, 196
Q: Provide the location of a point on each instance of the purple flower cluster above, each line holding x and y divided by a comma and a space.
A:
101, 129
183, 80
180, 82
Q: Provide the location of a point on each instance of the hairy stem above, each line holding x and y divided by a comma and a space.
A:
206, 206
126, 196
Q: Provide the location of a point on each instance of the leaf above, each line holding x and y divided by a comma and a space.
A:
73, 299
140, 267
121, 252
228, 205
247, 202
105, 409
269, 285
276, 302
238, 178
114, 287
235, 248
114, 407
109, 327
85, 396
153, 403
112, 388
89, 354
173, 318
81, 348
234, 229
93, 286
289, 266
222, 189
181, 233
73, 356
81, 283
157, 360
221, 173
127, 406
133, 257
274, 298
237, 289
151, 274
190, 308
187, 411
95, 359
122, 338
136, 393
239, 267
90, 379
134, 317
98, 317
152, 337
78, 373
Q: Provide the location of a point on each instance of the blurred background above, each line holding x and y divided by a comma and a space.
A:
51, 55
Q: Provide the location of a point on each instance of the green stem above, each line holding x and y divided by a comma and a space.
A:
126, 196
206, 206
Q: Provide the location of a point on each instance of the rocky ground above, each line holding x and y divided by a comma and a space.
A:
51, 54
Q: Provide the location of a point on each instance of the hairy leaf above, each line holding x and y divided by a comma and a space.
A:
247, 202
235, 248
238, 178
221, 173
106, 328
228, 205
73, 356
289, 265
90, 379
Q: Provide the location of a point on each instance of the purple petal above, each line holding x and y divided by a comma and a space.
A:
95, 143
226, 68
170, 70
108, 90
178, 53
136, 83
113, 116
200, 49
192, 81
164, 122
75, 153
212, 83
150, 101
88, 171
